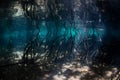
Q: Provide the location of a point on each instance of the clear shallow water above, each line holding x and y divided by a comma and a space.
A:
20, 32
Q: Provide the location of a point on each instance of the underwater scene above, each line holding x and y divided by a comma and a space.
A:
57, 40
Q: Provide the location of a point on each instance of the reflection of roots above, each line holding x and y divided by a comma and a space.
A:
88, 50
49, 51
61, 49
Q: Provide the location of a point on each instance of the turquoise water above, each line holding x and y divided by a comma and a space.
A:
20, 32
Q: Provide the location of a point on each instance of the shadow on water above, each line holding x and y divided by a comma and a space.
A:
61, 70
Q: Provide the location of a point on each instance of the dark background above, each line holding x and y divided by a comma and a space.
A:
110, 10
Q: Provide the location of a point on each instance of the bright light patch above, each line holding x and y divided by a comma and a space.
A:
18, 55
19, 11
